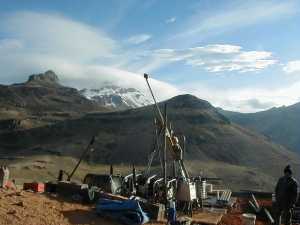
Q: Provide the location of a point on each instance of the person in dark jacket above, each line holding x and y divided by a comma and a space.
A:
286, 194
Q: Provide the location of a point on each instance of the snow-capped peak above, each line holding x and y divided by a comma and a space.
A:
117, 97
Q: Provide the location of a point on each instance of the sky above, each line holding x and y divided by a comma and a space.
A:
239, 55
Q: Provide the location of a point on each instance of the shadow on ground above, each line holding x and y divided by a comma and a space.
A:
80, 216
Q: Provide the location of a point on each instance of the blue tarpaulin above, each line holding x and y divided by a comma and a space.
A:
128, 212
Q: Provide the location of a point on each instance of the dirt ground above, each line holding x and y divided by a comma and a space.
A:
28, 208
23, 207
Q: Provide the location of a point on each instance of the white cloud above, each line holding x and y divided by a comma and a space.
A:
54, 34
292, 67
245, 99
235, 16
84, 56
213, 58
10, 44
81, 55
218, 48
170, 20
139, 39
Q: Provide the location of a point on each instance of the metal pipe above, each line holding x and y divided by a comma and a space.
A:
184, 142
165, 153
111, 172
81, 157
167, 132
146, 76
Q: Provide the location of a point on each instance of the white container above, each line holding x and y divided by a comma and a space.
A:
201, 189
249, 219
204, 192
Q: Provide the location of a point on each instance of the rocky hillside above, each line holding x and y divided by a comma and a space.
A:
127, 137
117, 98
280, 125
39, 101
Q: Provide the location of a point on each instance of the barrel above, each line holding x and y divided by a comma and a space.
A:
201, 189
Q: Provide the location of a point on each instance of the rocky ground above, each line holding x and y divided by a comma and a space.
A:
23, 207
38, 209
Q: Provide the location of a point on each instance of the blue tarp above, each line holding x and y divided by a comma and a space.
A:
128, 212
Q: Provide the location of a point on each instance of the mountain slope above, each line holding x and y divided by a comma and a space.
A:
41, 100
281, 125
127, 137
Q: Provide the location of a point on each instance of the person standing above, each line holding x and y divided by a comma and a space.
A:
286, 195
171, 212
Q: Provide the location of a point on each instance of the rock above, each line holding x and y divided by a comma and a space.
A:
12, 211
19, 193
20, 203
49, 77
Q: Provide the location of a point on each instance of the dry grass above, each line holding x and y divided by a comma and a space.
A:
46, 168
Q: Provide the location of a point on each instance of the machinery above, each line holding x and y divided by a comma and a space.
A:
180, 188
106, 182
88, 148
109, 183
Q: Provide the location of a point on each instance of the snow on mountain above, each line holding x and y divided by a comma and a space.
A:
115, 97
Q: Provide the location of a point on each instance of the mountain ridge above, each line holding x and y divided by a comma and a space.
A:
280, 124
126, 137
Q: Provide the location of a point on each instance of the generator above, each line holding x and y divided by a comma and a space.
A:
105, 182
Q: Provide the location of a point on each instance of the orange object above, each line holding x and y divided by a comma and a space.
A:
10, 185
36, 187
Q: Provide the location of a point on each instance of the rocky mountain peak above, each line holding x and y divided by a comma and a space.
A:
49, 77
116, 97
188, 101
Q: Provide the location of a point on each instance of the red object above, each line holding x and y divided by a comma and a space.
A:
10, 185
36, 187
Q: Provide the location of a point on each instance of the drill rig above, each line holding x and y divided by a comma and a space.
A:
185, 188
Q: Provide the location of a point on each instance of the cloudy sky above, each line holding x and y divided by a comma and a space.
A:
239, 55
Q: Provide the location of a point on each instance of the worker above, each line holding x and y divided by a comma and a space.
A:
286, 194
176, 147
171, 212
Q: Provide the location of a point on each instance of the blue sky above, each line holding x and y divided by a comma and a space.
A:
239, 55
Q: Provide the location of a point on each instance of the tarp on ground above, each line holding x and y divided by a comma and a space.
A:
128, 212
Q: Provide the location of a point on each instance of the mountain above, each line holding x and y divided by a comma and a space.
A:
117, 98
49, 78
280, 125
39, 101
214, 145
